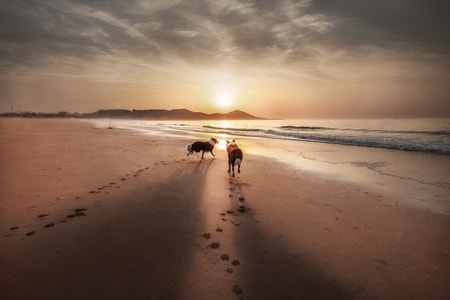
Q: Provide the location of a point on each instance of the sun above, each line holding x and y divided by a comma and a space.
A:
224, 99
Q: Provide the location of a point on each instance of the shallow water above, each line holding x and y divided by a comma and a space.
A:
414, 135
406, 160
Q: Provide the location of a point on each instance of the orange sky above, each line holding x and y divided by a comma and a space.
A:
276, 59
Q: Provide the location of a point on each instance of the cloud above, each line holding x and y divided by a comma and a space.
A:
387, 23
196, 31
209, 31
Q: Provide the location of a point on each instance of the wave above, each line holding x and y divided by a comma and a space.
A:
414, 141
387, 131
233, 129
290, 127
384, 142
404, 137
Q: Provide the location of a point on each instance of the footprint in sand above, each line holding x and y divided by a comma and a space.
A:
223, 215
224, 257
49, 225
206, 235
237, 289
14, 228
77, 212
214, 245
243, 209
30, 233
42, 216
218, 229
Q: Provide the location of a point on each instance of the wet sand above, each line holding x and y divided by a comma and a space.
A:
92, 212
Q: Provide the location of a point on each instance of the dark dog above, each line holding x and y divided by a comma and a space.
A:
235, 156
202, 146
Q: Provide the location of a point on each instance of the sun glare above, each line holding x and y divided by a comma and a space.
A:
222, 144
224, 124
223, 140
224, 99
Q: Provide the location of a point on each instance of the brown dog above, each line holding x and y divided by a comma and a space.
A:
202, 146
235, 156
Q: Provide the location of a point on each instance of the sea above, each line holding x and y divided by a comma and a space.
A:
412, 135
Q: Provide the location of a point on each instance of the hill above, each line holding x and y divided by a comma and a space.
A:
147, 114
174, 114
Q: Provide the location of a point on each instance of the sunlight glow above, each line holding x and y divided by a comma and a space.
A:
224, 96
224, 124
224, 99
222, 144
222, 141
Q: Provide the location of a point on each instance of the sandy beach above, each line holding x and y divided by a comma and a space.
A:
98, 212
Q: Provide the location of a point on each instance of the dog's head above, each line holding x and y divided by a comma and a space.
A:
232, 143
214, 140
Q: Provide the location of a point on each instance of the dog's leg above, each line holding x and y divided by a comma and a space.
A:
232, 167
203, 153
212, 153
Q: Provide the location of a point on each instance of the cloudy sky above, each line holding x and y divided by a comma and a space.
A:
277, 59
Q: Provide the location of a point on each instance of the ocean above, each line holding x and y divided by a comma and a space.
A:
412, 135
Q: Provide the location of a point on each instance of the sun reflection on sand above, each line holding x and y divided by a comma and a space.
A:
222, 141
225, 124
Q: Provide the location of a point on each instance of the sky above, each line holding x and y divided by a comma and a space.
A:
273, 59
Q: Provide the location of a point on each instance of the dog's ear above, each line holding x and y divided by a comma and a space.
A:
228, 141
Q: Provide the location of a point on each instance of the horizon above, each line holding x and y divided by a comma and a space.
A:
257, 117
284, 60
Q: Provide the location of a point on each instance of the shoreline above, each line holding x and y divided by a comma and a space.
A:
148, 207
413, 178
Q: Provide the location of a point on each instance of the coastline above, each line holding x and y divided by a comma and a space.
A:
148, 207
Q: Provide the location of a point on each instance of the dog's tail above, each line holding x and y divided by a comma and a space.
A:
237, 162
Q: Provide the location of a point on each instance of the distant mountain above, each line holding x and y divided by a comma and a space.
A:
174, 114
147, 114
